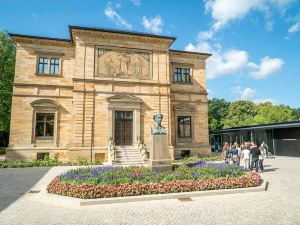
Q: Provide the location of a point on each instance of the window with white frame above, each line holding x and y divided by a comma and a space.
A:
48, 65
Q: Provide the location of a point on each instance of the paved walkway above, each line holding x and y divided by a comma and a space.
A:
279, 205
14, 182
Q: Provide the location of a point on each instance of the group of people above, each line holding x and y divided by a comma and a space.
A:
252, 155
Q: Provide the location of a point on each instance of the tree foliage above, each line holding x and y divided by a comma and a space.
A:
217, 111
7, 70
241, 113
269, 113
224, 114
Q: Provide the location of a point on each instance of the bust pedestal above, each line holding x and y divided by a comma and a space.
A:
160, 159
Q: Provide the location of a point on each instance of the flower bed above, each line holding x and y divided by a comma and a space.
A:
104, 182
193, 159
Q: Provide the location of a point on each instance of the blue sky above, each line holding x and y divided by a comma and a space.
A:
255, 43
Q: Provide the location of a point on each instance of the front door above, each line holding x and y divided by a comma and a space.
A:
123, 127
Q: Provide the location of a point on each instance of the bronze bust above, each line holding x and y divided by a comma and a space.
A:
158, 128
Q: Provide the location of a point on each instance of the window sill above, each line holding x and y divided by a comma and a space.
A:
48, 75
50, 138
182, 83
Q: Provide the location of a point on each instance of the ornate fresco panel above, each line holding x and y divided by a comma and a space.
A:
123, 63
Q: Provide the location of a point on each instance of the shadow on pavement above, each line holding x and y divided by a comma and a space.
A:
270, 170
14, 182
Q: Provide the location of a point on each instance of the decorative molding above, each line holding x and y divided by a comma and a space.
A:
120, 80
202, 92
124, 98
45, 103
47, 53
41, 41
41, 96
184, 107
42, 85
123, 63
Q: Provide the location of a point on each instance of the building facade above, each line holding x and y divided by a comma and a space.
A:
101, 88
282, 139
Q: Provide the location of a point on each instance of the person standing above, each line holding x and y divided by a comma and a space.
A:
265, 148
234, 154
246, 157
239, 153
255, 153
261, 160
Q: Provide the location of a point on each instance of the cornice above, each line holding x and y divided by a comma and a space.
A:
127, 81
120, 33
28, 39
202, 92
42, 85
186, 54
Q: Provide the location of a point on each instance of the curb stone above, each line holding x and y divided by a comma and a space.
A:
182, 195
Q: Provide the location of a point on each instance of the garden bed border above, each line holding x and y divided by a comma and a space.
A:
100, 201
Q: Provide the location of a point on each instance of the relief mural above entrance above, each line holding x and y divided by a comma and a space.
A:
119, 63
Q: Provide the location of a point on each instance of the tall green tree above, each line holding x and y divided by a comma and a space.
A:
7, 70
296, 114
241, 113
217, 111
268, 113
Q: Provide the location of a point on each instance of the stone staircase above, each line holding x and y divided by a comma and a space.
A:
128, 156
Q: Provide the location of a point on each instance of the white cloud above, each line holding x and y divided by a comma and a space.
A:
250, 94
244, 93
263, 100
136, 2
209, 94
225, 11
269, 25
205, 35
203, 47
111, 13
154, 25
229, 62
295, 28
267, 67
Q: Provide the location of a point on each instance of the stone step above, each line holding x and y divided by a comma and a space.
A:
129, 151
128, 154
130, 161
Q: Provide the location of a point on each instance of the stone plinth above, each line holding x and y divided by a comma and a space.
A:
160, 159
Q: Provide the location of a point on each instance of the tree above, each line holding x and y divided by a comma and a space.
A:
241, 113
268, 113
217, 111
296, 114
7, 70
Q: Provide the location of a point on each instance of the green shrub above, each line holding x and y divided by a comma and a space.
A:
2, 150
82, 161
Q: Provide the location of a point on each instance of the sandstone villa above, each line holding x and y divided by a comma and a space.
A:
101, 88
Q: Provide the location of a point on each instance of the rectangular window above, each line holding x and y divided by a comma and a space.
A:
182, 75
184, 126
44, 125
43, 65
54, 66
48, 65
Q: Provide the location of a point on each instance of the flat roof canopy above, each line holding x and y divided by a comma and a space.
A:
257, 127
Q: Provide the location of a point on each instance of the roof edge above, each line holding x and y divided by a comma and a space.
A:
256, 126
120, 32
188, 52
39, 37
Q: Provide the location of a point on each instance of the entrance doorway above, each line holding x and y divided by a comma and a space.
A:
123, 127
